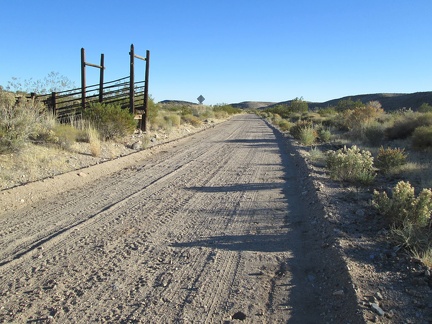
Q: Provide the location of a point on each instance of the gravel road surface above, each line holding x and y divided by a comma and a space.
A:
217, 228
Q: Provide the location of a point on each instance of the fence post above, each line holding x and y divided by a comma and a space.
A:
146, 80
101, 78
132, 81
53, 103
83, 80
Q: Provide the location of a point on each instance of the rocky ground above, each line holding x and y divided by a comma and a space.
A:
391, 286
344, 270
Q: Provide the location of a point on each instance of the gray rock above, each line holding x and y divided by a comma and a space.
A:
137, 145
377, 309
379, 296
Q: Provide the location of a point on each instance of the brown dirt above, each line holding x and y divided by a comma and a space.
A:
224, 226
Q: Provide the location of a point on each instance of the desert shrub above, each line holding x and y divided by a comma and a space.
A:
390, 158
422, 137
348, 104
152, 109
284, 125
425, 107
328, 111
173, 119
18, 121
351, 165
324, 135
308, 135
230, 110
276, 118
403, 206
357, 118
416, 239
374, 133
64, 135
296, 129
94, 141
298, 105
316, 155
191, 119
111, 121
406, 123
221, 114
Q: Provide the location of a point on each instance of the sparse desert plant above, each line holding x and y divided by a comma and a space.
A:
230, 110
18, 121
357, 118
403, 206
94, 141
390, 158
316, 155
193, 120
295, 130
111, 121
425, 107
65, 135
308, 135
374, 133
324, 135
284, 125
351, 164
422, 137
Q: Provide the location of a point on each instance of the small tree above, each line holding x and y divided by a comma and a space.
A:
298, 105
346, 104
52, 82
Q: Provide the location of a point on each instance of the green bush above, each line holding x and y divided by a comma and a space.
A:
390, 158
425, 107
374, 133
111, 121
296, 129
403, 206
406, 123
230, 110
351, 165
284, 125
65, 135
308, 135
152, 109
328, 111
324, 135
422, 137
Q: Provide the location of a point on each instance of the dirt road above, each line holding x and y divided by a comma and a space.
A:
215, 229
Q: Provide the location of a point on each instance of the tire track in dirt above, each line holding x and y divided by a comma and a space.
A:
207, 229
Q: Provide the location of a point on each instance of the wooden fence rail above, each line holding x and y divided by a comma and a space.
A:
125, 92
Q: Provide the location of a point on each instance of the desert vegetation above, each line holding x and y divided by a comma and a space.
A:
386, 153
32, 140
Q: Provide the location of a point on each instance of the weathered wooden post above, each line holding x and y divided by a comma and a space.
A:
101, 78
132, 81
83, 80
83, 77
53, 103
146, 87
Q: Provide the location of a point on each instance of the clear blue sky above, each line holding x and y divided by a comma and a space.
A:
227, 50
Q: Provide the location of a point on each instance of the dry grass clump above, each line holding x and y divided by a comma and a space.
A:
191, 119
31, 163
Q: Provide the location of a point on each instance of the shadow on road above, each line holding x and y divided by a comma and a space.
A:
316, 270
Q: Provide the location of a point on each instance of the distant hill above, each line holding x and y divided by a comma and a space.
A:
252, 104
389, 101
